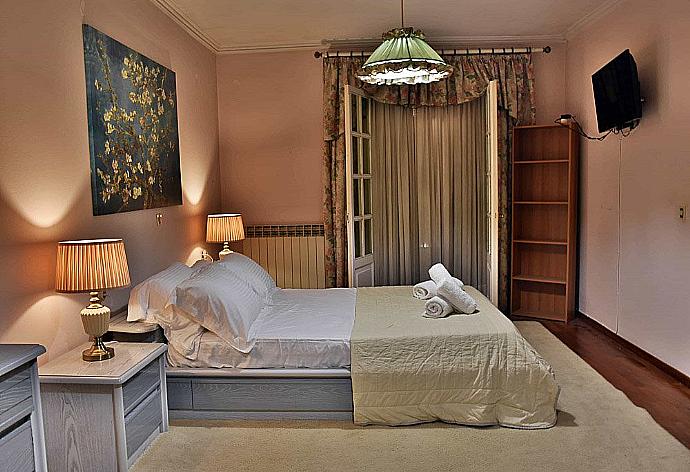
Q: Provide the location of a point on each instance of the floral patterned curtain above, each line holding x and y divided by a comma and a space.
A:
515, 76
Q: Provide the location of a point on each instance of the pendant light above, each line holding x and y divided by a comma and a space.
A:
404, 58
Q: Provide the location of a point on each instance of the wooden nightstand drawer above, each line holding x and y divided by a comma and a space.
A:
141, 385
17, 449
142, 422
15, 388
11, 379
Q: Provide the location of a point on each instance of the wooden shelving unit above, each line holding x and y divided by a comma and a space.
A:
544, 246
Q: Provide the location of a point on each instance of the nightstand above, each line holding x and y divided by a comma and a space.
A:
133, 331
102, 415
22, 446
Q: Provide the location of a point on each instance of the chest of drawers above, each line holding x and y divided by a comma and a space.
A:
22, 445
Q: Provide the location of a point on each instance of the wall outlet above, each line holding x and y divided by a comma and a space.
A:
683, 212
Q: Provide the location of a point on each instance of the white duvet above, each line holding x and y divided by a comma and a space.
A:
467, 369
297, 329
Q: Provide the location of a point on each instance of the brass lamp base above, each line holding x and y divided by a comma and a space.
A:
98, 352
226, 250
96, 320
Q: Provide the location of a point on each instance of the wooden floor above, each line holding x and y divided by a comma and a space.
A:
646, 385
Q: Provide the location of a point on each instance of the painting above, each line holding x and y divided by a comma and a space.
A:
133, 136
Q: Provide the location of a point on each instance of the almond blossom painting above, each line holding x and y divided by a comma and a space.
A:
133, 136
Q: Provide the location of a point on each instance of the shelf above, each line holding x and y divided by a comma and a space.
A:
538, 300
540, 279
534, 241
539, 203
543, 161
538, 314
540, 222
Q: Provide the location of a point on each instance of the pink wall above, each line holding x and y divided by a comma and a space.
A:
645, 298
45, 193
549, 78
270, 121
270, 118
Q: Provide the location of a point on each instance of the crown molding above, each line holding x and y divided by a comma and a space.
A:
189, 26
591, 17
177, 15
269, 47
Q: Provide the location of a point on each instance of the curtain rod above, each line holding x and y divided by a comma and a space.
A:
444, 52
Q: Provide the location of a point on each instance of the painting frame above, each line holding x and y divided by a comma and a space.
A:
133, 128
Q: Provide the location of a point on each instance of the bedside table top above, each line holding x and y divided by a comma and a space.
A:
129, 359
14, 355
119, 324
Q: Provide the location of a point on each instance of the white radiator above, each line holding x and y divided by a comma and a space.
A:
292, 254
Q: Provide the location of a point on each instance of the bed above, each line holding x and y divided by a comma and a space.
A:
360, 354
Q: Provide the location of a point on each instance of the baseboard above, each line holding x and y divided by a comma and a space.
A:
655, 361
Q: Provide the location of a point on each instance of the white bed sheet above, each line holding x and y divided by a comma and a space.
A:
298, 329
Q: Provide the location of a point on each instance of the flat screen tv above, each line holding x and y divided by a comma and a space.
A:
617, 94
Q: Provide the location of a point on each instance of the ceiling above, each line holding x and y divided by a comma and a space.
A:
245, 25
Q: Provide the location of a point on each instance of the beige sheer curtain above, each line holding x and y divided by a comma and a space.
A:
430, 192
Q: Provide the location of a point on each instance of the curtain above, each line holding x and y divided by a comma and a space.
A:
472, 74
429, 192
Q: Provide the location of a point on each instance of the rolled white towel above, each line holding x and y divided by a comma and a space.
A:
437, 307
439, 273
424, 290
456, 296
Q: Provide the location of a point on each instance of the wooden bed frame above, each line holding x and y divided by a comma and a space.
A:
208, 394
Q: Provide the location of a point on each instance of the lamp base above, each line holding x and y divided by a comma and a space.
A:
98, 352
96, 320
226, 251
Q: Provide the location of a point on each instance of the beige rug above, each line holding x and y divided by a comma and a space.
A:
598, 429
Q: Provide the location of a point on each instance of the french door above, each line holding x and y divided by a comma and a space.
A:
360, 234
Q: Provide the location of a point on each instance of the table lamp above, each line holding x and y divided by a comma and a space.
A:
223, 228
92, 266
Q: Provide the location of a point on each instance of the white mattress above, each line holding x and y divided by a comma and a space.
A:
299, 329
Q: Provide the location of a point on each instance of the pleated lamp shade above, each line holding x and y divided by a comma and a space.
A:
91, 265
404, 58
222, 228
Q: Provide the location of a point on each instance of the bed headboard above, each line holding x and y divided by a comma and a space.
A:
293, 254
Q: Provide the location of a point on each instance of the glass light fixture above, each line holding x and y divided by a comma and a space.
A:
404, 58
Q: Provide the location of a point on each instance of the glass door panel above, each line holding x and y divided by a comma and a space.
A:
360, 222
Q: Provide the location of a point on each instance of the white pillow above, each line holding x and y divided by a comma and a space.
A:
150, 297
223, 303
251, 272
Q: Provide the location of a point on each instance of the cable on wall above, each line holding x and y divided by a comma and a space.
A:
620, 228
566, 120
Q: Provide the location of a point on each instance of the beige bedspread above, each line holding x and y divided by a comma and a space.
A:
467, 369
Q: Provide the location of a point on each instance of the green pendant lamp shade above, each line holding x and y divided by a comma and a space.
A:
404, 58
